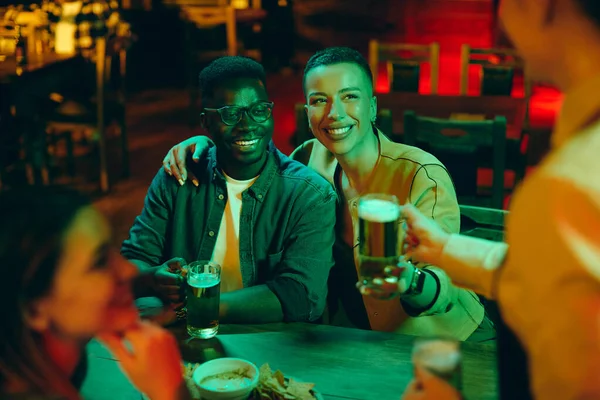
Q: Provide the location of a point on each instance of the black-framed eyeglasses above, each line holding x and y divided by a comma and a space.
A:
232, 115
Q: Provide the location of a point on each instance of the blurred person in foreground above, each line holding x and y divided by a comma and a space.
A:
266, 219
546, 277
62, 285
356, 158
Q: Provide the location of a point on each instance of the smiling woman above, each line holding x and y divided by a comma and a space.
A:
358, 160
341, 108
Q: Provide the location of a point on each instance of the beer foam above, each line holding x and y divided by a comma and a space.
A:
377, 210
437, 355
203, 281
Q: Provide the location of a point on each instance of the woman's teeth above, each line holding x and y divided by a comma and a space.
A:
246, 142
339, 131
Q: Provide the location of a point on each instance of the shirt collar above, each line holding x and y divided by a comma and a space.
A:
260, 187
581, 107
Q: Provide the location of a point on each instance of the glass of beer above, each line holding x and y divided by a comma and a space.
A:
203, 294
381, 238
440, 357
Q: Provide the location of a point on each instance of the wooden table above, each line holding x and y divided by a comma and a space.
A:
343, 363
445, 106
9, 70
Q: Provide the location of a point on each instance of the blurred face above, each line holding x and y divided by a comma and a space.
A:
527, 24
243, 127
92, 288
340, 106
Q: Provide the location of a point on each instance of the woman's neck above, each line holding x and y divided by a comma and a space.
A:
359, 164
65, 354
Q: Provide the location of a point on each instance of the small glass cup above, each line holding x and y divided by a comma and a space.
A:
203, 294
441, 357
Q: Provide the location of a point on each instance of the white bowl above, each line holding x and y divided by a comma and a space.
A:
221, 365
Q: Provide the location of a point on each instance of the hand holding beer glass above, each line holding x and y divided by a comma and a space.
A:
383, 270
203, 299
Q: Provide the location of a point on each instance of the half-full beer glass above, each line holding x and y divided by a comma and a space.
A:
441, 357
381, 238
203, 294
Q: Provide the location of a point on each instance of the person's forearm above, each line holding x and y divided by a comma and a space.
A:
256, 304
424, 300
143, 283
472, 263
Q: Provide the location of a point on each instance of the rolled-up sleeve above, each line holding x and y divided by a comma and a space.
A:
473, 262
433, 194
146, 240
301, 280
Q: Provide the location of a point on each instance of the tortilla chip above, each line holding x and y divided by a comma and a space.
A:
274, 386
280, 377
300, 390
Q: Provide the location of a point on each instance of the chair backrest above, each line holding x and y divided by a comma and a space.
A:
243, 4
506, 61
461, 140
303, 133
198, 3
481, 222
207, 17
401, 56
8, 39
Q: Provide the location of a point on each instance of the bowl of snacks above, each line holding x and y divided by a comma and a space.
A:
226, 379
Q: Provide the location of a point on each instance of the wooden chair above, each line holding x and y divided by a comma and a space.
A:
107, 107
458, 145
496, 76
404, 63
303, 132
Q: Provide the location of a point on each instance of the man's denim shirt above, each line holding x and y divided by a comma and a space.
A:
286, 232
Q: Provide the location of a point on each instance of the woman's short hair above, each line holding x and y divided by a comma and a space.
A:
337, 55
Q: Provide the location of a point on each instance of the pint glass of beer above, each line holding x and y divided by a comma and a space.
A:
381, 238
203, 293
440, 357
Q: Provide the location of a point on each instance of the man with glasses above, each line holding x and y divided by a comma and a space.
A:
266, 219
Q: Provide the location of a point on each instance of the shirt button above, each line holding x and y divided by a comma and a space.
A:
221, 197
260, 196
375, 314
211, 233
